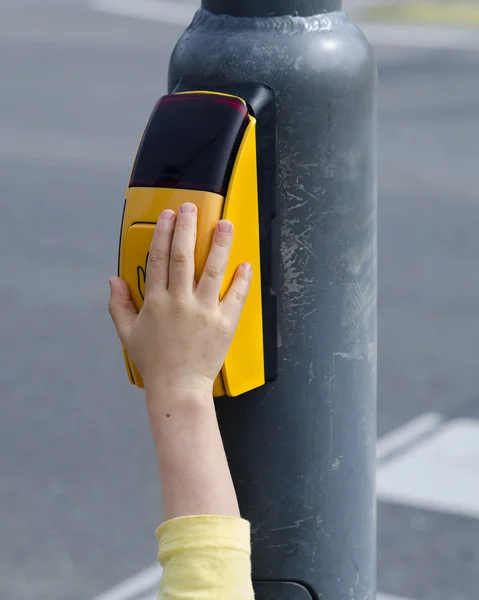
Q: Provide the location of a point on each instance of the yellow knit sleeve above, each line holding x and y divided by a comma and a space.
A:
205, 558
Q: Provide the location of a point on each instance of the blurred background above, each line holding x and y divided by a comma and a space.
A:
79, 493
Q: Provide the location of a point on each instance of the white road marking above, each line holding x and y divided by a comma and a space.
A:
439, 473
398, 439
421, 37
175, 12
144, 582
162, 11
387, 597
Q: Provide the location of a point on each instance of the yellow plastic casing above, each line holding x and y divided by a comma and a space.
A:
243, 369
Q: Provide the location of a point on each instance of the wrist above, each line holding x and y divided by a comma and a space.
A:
161, 389
176, 408
177, 398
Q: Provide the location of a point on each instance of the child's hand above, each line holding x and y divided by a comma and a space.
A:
180, 339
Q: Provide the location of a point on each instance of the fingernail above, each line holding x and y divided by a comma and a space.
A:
247, 269
188, 208
167, 214
225, 226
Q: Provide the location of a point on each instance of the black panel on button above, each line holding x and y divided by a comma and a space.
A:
261, 104
191, 142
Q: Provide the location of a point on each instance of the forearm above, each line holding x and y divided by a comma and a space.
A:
193, 467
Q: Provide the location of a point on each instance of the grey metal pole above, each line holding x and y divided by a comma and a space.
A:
271, 8
302, 449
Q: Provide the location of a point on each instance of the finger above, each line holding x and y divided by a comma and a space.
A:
121, 308
157, 266
209, 286
182, 257
234, 300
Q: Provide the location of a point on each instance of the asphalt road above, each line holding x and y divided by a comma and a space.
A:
79, 493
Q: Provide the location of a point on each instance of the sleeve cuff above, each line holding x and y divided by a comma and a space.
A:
197, 532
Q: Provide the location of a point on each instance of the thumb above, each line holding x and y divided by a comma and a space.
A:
121, 308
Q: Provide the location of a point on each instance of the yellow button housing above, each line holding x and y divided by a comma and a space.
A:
243, 370
244, 366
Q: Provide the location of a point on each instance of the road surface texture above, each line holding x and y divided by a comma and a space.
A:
79, 493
